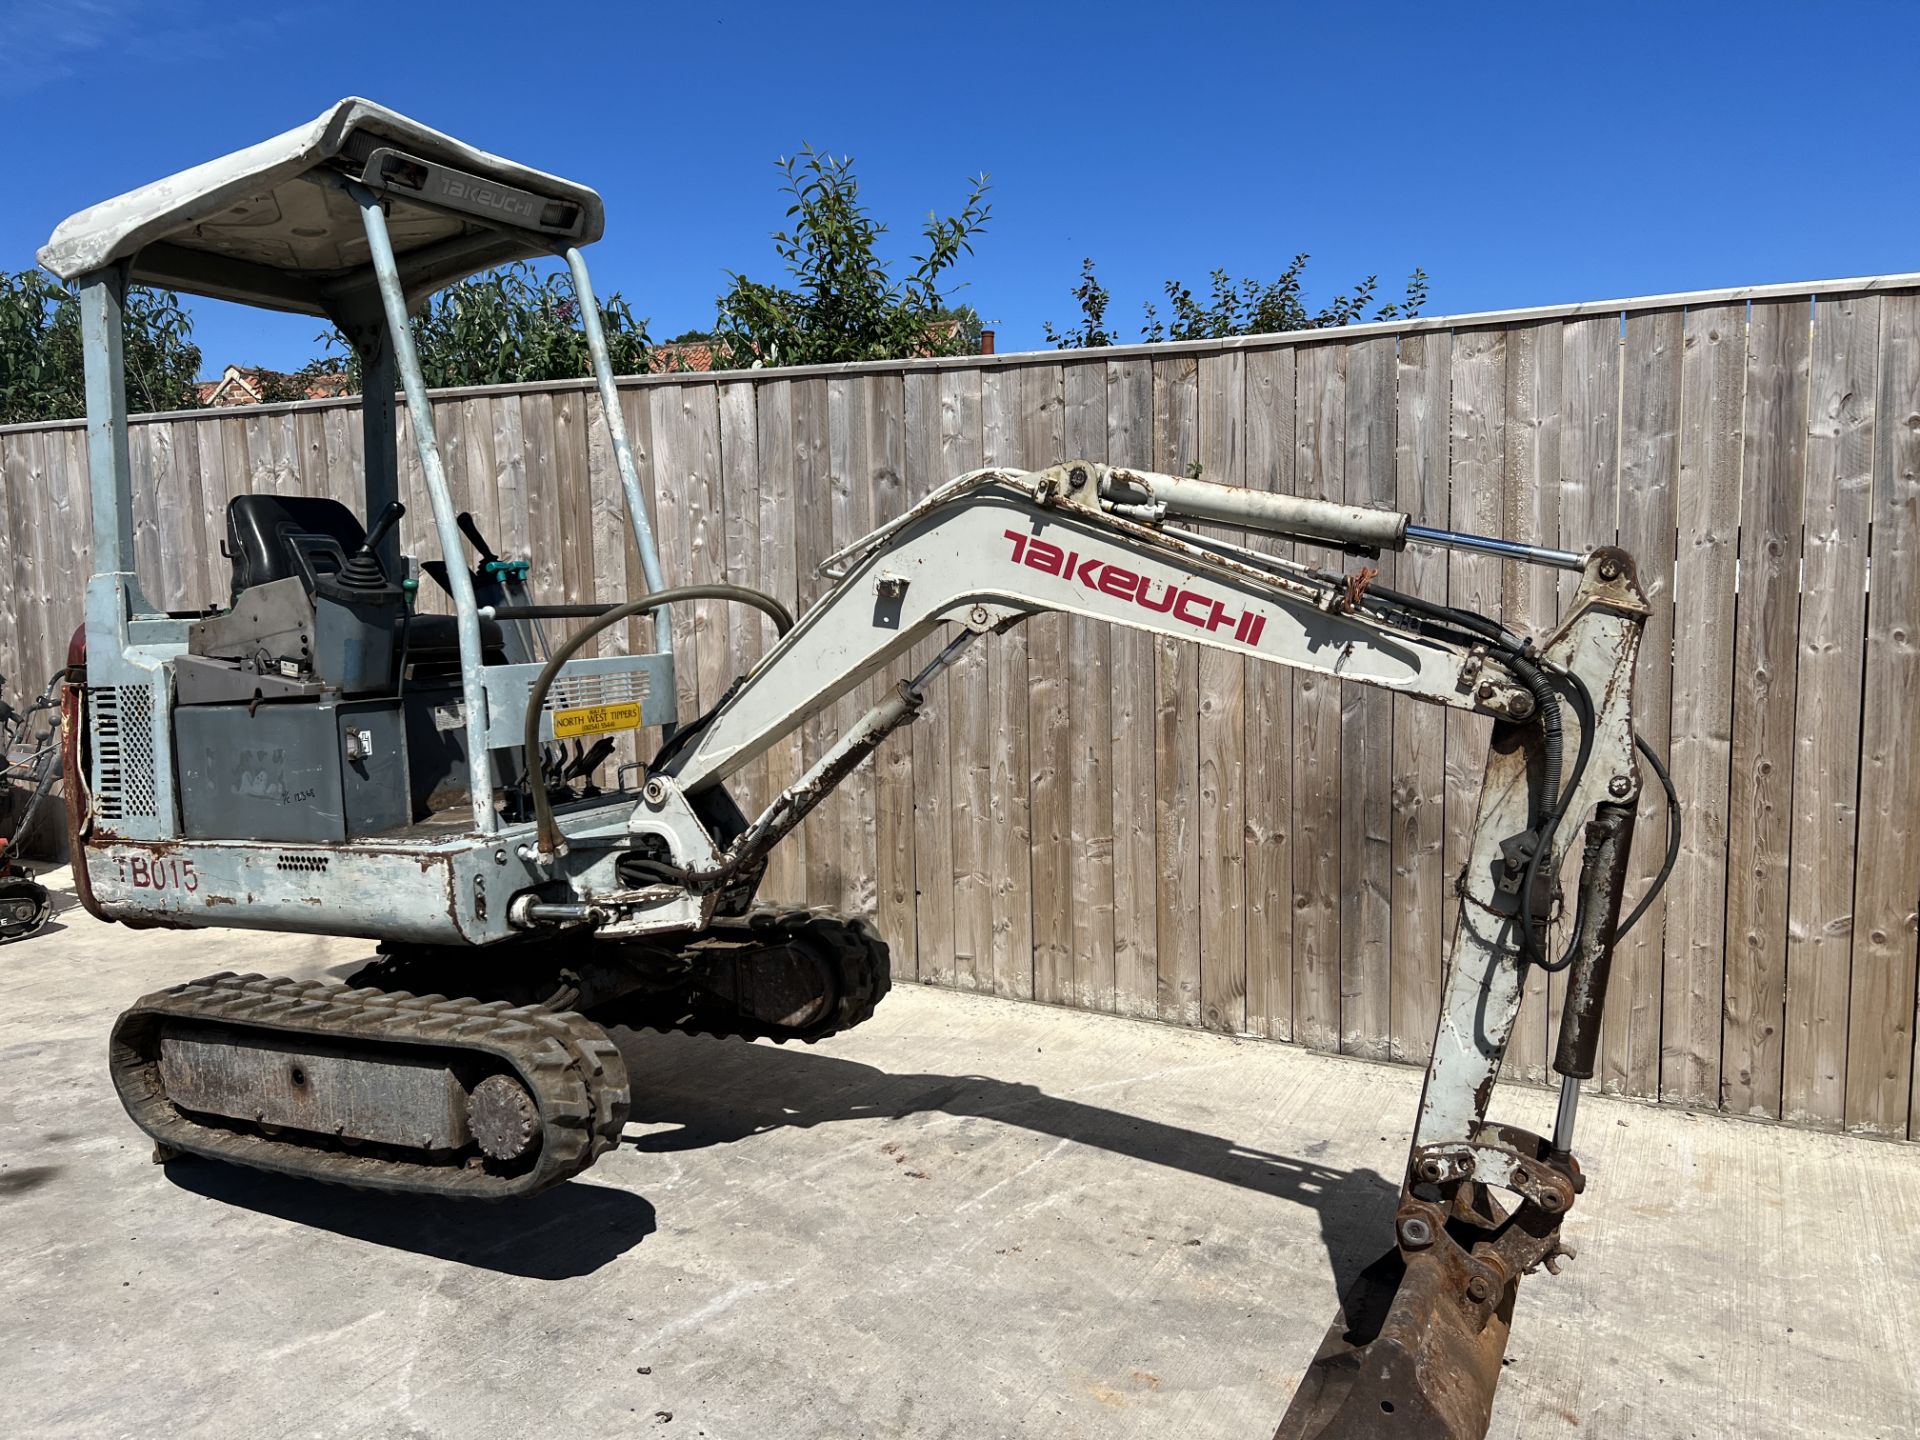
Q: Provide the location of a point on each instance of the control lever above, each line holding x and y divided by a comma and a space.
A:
364, 571
506, 573
383, 526
471, 530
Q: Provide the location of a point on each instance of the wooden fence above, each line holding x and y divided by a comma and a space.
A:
1104, 820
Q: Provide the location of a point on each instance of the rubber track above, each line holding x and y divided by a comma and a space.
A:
856, 952
575, 1073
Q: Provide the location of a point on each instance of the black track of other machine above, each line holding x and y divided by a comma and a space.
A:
25, 906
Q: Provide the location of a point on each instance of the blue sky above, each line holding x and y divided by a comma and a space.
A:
1521, 154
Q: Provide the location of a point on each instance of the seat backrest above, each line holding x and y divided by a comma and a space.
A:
258, 527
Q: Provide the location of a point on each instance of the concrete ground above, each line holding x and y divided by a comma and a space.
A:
968, 1218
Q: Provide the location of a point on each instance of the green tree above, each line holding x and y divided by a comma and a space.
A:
841, 301
1236, 307
506, 327
42, 376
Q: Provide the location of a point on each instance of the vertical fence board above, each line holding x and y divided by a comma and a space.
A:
1836, 513
970, 762
1763, 709
1319, 462
1707, 512
1009, 821
813, 505
776, 455
1885, 894
850, 808
738, 498
176, 500
67, 521
1422, 899
1759, 807
1366, 734
1649, 471
25, 461
1135, 867
510, 465
572, 501
895, 763
545, 542
932, 732
1049, 739
1176, 732
150, 454
1268, 780
17, 660
1222, 737
1090, 719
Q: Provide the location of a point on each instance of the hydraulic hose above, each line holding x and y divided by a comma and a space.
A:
550, 840
1673, 838
1530, 671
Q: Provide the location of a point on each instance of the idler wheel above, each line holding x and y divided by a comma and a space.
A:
503, 1118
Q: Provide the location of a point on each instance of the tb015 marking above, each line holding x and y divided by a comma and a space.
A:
162, 872
1203, 612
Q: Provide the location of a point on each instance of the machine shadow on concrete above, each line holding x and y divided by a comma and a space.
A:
571, 1230
717, 1092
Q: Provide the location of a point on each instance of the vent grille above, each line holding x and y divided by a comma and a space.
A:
123, 786
571, 692
300, 863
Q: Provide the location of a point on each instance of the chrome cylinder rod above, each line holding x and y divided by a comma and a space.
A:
1494, 545
1563, 1118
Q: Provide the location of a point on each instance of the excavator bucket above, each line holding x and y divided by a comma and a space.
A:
1410, 1356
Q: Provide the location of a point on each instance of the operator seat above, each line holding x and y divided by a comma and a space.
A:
260, 531
259, 527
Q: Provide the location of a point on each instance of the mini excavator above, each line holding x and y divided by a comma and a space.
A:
321, 755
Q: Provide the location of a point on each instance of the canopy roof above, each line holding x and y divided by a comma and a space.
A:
270, 225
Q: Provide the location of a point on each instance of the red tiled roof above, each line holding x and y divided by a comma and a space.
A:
246, 384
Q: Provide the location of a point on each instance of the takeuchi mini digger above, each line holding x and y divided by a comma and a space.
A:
321, 755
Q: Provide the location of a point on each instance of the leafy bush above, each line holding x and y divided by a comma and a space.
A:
507, 327
842, 303
1234, 307
42, 375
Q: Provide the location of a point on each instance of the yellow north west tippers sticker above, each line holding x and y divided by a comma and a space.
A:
596, 719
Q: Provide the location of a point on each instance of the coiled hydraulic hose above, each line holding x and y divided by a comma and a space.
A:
550, 840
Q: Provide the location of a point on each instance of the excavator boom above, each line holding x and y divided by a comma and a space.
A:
1418, 1347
